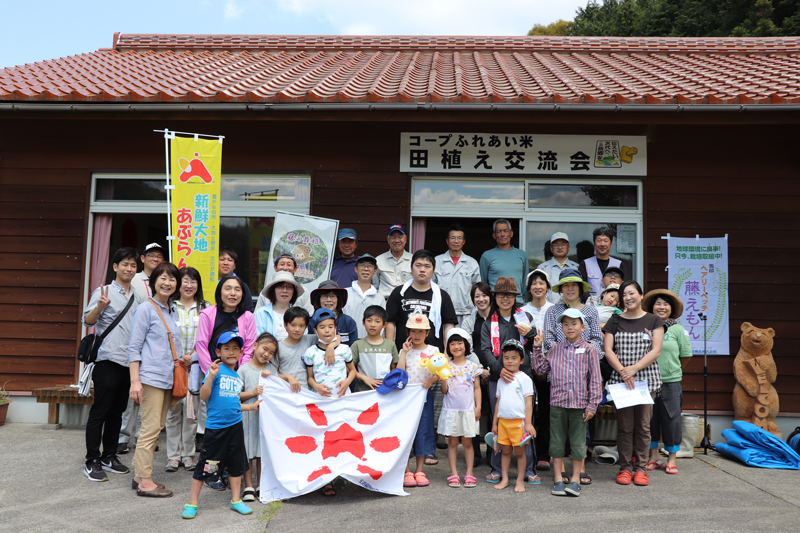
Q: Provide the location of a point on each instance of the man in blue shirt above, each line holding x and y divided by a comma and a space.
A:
504, 261
343, 270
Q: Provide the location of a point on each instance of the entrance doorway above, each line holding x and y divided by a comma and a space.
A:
477, 232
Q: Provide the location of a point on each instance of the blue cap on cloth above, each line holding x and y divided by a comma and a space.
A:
323, 313
228, 336
347, 233
397, 379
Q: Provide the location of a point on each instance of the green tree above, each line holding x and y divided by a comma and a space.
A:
558, 28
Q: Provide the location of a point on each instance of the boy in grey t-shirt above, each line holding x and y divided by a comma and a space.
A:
373, 356
292, 348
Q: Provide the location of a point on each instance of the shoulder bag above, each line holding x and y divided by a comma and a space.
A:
180, 378
90, 344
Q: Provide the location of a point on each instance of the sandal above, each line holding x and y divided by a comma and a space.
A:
625, 477
534, 480
493, 478
409, 480
654, 465
585, 476
544, 466
421, 479
454, 481
431, 460
328, 490
470, 481
672, 469
641, 479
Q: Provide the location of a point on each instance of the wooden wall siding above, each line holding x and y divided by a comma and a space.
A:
752, 199
740, 179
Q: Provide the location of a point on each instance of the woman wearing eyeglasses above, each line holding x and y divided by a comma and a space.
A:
497, 329
282, 292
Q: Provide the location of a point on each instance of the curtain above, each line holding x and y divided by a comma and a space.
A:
418, 234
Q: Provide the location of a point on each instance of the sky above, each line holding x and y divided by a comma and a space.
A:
36, 30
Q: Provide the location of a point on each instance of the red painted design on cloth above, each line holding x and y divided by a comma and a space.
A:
317, 415
343, 439
370, 416
374, 474
385, 444
319, 472
301, 444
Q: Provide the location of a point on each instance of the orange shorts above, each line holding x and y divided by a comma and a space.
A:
510, 431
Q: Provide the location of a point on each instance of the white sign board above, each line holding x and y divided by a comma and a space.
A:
699, 275
522, 153
310, 240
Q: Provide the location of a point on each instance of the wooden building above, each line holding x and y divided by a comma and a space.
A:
322, 120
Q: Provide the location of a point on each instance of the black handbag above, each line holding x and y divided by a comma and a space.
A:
90, 344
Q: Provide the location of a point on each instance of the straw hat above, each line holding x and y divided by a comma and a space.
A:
676, 303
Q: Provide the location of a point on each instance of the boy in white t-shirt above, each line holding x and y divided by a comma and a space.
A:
513, 416
323, 377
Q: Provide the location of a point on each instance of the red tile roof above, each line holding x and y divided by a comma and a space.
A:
386, 69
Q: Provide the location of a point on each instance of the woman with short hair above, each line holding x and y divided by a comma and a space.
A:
154, 344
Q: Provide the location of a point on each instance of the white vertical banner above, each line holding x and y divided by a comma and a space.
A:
308, 440
312, 242
699, 275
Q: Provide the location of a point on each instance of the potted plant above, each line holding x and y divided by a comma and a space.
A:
5, 399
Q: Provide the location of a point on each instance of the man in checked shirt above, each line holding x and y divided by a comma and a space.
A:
575, 392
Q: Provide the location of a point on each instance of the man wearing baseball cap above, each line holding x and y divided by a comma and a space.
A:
153, 256
343, 270
559, 247
394, 266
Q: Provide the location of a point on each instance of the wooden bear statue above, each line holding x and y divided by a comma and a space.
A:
755, 400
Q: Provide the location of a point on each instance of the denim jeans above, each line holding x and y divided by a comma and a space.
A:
425, 439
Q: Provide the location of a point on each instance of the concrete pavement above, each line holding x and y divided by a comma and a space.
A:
42, 488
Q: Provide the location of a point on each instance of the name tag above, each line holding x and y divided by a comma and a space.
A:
646, 337
580, 350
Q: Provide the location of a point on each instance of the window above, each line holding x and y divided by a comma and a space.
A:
470, 193
137, 205
582, 196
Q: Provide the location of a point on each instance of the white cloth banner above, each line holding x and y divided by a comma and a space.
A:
312, 242
308, 440
699, 275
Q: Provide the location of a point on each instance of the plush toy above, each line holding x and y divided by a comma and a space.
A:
437, 365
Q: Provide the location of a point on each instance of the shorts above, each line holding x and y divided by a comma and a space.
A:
567, 424
222, 448
510, 431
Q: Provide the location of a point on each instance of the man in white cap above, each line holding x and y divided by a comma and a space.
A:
559, 247
153, 256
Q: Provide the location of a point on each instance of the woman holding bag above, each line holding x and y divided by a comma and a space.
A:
182, 417
153, 350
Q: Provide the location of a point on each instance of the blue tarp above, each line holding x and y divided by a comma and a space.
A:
755, 447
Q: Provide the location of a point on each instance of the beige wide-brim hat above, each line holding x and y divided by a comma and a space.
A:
285, 277
650, 298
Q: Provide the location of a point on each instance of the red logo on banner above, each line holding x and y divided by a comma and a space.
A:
194, 169
343, 439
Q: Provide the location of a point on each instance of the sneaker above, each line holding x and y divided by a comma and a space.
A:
249, 495
172, 465
112, 464
215, 484
188, 463
241, 508
122, 449
94, 472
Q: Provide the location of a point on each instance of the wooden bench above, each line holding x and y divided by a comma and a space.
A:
55, 396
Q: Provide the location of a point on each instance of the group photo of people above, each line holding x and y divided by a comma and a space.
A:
530, 349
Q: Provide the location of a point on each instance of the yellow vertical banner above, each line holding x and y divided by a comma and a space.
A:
196, 167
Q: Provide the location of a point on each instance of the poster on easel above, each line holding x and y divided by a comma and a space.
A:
312, 243
699, 275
